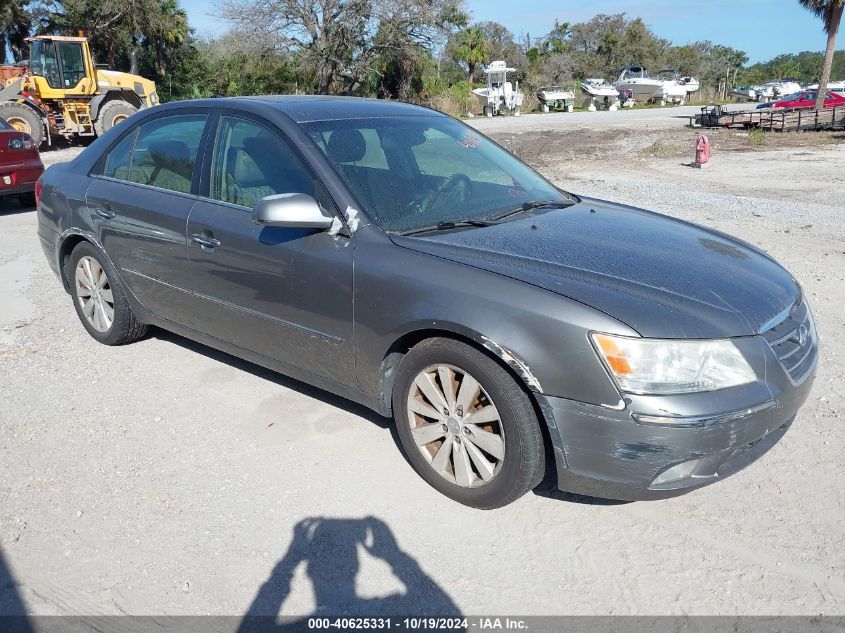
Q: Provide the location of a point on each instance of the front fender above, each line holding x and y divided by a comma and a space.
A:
542, 336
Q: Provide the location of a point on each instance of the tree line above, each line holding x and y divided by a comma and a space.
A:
415, 50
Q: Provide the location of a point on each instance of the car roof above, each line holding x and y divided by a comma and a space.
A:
308, 108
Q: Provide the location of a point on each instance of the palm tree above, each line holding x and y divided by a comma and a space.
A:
830, 11
473, 49
168, 30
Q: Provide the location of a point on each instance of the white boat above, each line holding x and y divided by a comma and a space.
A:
746, 93
833, 86
500, 95
600, 88
639, 82
672, 90
554, 97
691, 84
780, 88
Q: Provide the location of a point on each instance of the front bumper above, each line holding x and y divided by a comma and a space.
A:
628, 454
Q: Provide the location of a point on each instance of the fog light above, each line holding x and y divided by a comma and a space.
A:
677, 472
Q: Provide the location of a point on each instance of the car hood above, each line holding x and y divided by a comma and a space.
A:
660, 276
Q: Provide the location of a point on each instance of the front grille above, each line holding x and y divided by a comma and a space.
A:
795, 342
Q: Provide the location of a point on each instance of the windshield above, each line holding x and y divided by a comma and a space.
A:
42, 62
416, 172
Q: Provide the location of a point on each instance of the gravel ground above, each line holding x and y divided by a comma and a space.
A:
167, 478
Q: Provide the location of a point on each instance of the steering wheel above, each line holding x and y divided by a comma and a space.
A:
456, 188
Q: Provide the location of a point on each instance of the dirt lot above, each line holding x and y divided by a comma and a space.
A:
166, 478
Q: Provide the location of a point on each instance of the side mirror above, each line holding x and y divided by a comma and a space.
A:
292, 210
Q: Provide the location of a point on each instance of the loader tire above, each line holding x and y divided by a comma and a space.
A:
113, 113
23, 119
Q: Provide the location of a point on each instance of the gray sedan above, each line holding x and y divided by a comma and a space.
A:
392, 255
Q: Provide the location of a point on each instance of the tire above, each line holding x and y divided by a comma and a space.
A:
123, 326
112, 113
513, 464
27, 199
23, 119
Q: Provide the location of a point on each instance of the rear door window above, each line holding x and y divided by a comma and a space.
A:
166, 151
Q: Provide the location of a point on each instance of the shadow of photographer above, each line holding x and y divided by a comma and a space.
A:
329, 549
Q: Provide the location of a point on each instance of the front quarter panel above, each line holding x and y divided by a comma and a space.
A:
542, 336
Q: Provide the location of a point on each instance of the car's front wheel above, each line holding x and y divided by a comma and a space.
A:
100, 298
467, 426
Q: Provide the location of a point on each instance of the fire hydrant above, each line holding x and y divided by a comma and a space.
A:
702, 152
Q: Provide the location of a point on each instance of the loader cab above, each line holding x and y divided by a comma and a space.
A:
63, 66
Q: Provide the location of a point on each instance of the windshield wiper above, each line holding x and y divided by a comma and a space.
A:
447, 225
533, 204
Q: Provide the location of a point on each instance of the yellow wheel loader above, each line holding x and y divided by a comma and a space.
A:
61, 92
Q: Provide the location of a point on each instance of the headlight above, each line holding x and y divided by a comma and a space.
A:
153, 97
655, 366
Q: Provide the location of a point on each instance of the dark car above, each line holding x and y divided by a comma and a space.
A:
395, 256
20, 165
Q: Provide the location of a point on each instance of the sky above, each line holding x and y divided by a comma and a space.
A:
762, 28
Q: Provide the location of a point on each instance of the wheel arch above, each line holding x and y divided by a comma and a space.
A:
68, 243
413, 336
505, 358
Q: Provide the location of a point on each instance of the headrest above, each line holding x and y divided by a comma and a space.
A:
346, 146
244, 170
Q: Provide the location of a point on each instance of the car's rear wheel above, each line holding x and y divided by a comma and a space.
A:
100, 299
467, 426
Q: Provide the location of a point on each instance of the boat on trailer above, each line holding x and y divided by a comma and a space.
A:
552, 97
672, 91
500, 96
636, 79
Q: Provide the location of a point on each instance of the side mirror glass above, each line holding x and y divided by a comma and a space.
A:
292, 210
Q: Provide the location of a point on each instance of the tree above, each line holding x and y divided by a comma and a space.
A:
830, 11
471, 48
167, 30
119, 29
15, 24
338, 42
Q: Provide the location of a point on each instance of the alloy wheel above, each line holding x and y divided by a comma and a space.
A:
94, 293
456, 426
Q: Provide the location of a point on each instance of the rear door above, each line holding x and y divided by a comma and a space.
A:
283, 293
139, 199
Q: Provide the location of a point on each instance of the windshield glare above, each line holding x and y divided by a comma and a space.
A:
419, 171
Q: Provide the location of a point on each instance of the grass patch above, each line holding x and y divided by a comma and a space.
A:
757, 137
661, 148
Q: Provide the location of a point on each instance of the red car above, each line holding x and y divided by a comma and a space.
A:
805, 99
20, 165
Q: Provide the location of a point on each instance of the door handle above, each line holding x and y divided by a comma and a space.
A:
104, 212
206, 241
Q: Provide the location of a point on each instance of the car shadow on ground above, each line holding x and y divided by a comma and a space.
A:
9, 205
331, 551
268, 374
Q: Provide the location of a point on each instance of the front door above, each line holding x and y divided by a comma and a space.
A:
140, 201
280, 292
